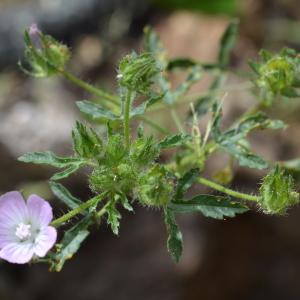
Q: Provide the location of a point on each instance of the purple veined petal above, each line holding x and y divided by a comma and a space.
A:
17, 253
45, 241
34, 34
39, 210
13, 210
7, 238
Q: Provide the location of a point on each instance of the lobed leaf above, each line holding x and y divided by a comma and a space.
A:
64, 195
216, 207
70, 245
86, 142
95, 111
174, 242
185, 182
174, 141
113, 218
227, 42
49, 158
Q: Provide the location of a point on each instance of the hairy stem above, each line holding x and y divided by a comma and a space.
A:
177, 120
77, 210
90, 88
127, 106
227, 191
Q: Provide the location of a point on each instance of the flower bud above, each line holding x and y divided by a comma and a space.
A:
277, 74
277, 192
136, 72
44, 54
154, 187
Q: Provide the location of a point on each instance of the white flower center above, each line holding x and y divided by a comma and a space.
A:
23, 231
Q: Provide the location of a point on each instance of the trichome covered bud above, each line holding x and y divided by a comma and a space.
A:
44, 54
277, 74
277, 192
137, 72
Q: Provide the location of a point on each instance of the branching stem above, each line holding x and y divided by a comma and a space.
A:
78, 210
227, 191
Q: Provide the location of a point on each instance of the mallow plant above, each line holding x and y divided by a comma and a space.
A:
121, 157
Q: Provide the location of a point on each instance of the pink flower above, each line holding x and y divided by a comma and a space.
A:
34, 34
24, 228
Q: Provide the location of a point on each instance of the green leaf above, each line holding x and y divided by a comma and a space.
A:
175, 242
216, 207
194, 76
256, 121
216, 119
293, 164
64, 195
181, 63
254, 66
174, 141
86, 142
290, 93
244, 156
49, 158
71, 164
113, 218
153, 44
67, 172
227, 42
233, 140
126, 204
140, 109
95, 111
70, 243
185, 182
204, 103
265, 55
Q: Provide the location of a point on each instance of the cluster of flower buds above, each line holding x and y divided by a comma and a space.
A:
277, 74
45, 55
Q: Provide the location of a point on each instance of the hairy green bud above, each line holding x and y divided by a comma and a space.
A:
144, 151
154, 187
44, 55
277, 192
86, 142
278, 74
137, 72
120, 180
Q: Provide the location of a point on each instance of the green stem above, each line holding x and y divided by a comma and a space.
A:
127, 106
102, 211
90, 88
77, 210
227, 191
154, 125
177, 120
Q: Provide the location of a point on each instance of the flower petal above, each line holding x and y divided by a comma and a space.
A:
13, 210
40, 211
7, 238
45, 241
17, 253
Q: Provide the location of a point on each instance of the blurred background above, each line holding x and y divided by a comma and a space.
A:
250, 257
